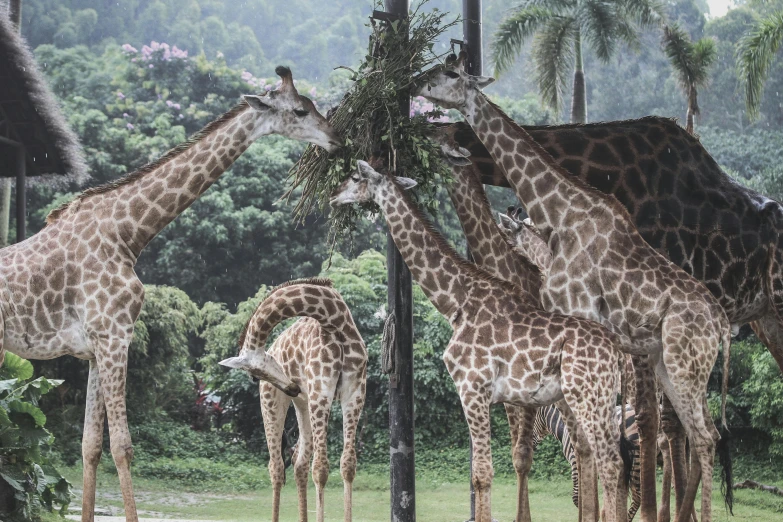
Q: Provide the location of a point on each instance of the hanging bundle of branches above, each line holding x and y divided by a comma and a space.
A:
373, 123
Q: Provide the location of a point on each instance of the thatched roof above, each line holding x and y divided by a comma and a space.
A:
30, 114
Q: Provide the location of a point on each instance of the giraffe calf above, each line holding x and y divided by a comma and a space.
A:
321, 357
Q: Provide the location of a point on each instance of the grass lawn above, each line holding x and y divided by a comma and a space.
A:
435, 500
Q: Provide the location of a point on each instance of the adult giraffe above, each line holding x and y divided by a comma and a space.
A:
602, 269
71, 289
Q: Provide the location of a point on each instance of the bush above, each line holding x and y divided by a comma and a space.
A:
24, 441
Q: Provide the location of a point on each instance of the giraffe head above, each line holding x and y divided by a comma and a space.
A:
363, 185
260, 365
284, 111
454, 155
449, 85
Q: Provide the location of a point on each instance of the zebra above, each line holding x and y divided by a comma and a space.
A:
548, 420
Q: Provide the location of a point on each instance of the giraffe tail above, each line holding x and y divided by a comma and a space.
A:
626, 449
722, 448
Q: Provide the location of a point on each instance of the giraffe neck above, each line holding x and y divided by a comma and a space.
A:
488, 245
147, 201
444, 277
318, 301
530, 170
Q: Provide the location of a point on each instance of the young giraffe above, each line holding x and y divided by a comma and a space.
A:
71, 289
603, 270
493, 253
322, 353
504, 349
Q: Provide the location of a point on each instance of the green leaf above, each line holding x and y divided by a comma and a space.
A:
30, 409
16, 367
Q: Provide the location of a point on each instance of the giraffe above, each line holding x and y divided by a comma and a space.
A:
324, 354
685, 206
603, 270
71, 289
504, 349
493, 253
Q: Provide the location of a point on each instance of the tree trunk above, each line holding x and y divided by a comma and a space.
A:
5, 209
579, 95
693, 109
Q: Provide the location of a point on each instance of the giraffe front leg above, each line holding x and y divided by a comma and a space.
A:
274, 406
476, 408
664, 512
647, 425
522, 445
92, 441
352, 402
304, 452
319, 420
675, 434
112, 362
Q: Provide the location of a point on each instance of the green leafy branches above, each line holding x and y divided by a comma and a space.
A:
754, 56
34, 484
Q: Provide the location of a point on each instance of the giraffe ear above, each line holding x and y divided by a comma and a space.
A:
256, 102
239, 363
405, 183
365, 169
483, 81
508, 223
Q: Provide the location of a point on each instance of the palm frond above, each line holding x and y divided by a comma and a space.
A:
754, 56
512, 33
553, 55
690, 61
644, 13
597, 21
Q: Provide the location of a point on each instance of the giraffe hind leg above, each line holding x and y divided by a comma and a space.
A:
274, 406
352, 402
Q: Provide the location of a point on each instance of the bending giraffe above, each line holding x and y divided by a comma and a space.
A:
324, 355
603, 270
71, 289
504, 349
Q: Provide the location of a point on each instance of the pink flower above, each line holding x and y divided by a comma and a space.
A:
125, 115
152, 66
128, 48
129, 126
312, 92
120, 95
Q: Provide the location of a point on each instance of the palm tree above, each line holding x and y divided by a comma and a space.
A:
690, 61
754, 56
559, 28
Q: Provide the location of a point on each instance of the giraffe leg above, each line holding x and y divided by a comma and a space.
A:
585, 459
352, 401
647, 425
522, 455
319, 420
92, 441
664, 512
304, 452
636, 486
687, 397
675, 435
274, 406
476, 408
112, 379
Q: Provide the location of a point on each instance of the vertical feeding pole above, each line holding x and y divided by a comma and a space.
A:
401, 455
471, 38
15, 7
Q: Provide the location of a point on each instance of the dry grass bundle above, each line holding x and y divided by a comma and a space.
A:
370, 119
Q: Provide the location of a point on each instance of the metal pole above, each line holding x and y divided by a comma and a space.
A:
401, 427
471, 36
21, 195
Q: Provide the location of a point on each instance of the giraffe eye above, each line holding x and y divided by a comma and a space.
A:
356, 177
451, 74
300, 113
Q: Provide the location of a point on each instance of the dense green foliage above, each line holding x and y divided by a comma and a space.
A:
28, 480
130, 99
